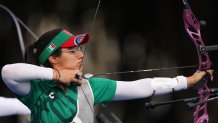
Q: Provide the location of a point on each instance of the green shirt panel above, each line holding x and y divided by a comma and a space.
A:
103, 89
49, 103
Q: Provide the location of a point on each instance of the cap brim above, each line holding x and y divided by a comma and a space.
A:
76, 40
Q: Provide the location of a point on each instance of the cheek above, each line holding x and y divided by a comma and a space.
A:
68, 61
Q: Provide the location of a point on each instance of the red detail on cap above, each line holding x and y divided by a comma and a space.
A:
76, 40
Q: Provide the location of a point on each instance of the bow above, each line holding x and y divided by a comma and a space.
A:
192, 27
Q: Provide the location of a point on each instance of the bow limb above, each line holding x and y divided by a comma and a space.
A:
192, 27
17, 27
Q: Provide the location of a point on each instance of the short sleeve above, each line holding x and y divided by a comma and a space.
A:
30, 99
103, 89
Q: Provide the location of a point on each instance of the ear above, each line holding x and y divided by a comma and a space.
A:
52, 59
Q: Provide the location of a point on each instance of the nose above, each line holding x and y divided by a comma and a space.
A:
80, 54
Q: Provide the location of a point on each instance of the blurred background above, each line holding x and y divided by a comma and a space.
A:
127, 35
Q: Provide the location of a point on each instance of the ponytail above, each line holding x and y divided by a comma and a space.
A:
30, 54
33, 51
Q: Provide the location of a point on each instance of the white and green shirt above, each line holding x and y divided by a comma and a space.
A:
50, 104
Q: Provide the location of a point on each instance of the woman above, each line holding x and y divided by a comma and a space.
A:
52, 87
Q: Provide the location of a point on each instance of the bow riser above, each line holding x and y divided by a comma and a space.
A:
192, 27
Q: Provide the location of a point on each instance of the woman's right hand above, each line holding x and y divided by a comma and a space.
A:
67, 76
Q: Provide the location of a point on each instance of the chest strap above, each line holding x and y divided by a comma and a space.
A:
85, 104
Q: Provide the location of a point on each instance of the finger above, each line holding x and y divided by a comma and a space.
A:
78, 82
210, 74
199, 72
77, 79
77, 76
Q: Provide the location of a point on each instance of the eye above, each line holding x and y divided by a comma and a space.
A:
70, 50
73, 50
81, 48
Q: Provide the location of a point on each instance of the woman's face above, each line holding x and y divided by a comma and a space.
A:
71, 58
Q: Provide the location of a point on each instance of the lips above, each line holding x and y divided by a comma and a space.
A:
80, 64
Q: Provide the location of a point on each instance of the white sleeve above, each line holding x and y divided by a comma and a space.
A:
147, 87
17, 76
12, 106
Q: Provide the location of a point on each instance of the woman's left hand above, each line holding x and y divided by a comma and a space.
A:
197, 76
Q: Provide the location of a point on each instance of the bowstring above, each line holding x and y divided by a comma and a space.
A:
90, 31
86, 46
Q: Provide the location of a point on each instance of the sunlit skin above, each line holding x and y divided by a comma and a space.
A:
69, 63
70, 60
197, 76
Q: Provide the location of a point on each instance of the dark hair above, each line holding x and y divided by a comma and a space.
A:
33, 51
